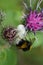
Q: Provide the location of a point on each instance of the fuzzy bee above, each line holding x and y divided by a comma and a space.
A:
17, 35
20, 41
24, 45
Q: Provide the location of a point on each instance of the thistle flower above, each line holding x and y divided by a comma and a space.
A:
9, 33
34, 21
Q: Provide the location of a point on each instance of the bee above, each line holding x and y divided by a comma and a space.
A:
21, 41
24, 45
18, 36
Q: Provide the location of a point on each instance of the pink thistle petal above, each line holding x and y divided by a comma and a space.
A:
34, 20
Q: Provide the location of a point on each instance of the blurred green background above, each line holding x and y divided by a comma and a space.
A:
12, 56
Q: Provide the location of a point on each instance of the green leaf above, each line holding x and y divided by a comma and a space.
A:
8, 56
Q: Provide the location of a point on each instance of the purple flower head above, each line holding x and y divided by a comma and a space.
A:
9, 33
34, 21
